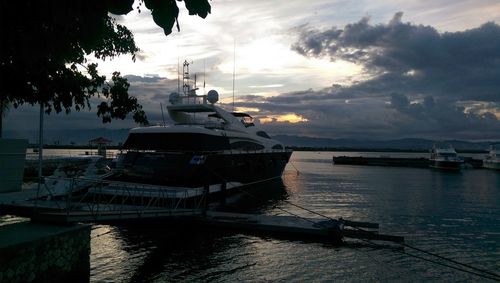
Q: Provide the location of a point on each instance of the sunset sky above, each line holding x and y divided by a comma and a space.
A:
338, 69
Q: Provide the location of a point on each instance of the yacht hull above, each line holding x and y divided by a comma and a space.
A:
446, 165
201, 168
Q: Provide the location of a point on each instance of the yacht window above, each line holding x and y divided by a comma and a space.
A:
277, 146
246, 145
176, 142
249, 124
263, 134
448, 154
245, 119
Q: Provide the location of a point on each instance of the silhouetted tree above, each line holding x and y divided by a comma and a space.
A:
44, 44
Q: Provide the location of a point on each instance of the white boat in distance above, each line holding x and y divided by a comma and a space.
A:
206, 145
445, 158
492, 160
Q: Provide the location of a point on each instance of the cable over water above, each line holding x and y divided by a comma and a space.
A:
473, 270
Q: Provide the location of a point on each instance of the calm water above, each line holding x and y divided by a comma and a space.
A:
456, 215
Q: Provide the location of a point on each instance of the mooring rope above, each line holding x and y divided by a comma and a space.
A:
279, 208
491, 275
453, 267
102, 234
497, 276
296, 170
286, 201
284, 210
388, 266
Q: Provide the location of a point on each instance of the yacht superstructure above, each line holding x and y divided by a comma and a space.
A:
445, 158
205, 145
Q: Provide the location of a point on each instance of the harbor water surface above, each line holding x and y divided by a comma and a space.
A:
454, 214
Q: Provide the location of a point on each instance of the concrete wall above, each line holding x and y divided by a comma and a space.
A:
12, 157
31, 252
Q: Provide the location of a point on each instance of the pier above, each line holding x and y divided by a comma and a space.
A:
420, 162
94, 201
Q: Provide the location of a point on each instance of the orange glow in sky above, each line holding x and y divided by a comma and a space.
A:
290, 118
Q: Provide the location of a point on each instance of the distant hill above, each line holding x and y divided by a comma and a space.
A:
118, 136
413, 144
68, 137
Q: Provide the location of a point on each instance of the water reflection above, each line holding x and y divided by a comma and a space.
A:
259, 197
456, 215
155, 250
107, 253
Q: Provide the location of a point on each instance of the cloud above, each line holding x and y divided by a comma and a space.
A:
415, 58
393, 116
386, 80
432, 83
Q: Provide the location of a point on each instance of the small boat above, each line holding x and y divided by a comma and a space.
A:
445, 158
492, 161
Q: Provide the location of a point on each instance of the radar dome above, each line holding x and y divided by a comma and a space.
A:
212, 96
174, 98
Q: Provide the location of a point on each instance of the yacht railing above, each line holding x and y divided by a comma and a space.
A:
227, 151
98, 198
192, 99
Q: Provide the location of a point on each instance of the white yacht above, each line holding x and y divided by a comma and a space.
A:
445, 158
206, 145
492, 160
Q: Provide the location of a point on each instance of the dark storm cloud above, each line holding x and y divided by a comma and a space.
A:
328, 116
429, 116
152, 91
428, 81
373, 117
151, 88
415, 58
143, 79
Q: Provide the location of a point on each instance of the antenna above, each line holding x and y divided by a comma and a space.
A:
234, 66
185, 77
204, 77
162, 116
178, 73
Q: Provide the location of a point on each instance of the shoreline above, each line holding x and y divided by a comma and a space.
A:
294, 148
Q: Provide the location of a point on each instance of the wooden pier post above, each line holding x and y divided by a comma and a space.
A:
223, 188
205, 199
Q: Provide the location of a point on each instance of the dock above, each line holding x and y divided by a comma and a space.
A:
323, 230
382, 161
108, 201
419, 162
